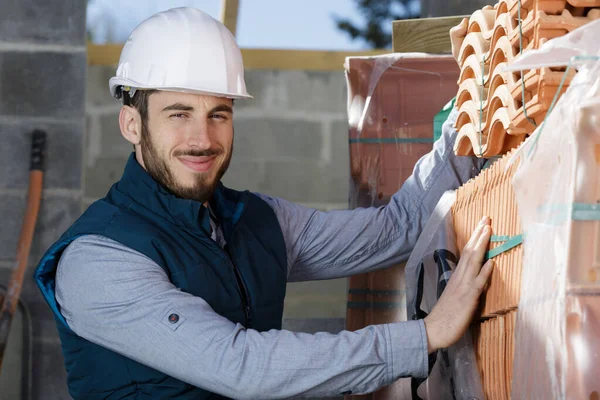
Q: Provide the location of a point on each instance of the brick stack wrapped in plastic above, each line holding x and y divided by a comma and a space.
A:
491, 194
392, 101
537, 336
499, 109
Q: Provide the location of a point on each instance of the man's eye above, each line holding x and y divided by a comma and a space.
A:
218, 116
179, 115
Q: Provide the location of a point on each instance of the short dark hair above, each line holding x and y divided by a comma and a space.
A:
139, 101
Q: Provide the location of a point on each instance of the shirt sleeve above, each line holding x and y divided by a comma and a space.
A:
120, 299
339, 243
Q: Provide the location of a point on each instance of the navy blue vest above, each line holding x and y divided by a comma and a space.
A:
245, 282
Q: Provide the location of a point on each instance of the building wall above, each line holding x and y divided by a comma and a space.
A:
42, 85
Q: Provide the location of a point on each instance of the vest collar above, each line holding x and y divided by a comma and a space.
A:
143, 190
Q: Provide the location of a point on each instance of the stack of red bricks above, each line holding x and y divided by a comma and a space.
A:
491, 194
497, 109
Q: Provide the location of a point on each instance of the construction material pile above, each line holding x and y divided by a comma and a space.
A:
491, 194
537, 333
498, 109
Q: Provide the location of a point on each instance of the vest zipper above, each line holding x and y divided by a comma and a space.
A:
241, 286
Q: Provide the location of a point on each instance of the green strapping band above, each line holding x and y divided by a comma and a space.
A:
500, 238
390, 140
511, 243
561, 213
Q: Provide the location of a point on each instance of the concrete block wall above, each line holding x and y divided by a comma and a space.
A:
42, 85
291, 141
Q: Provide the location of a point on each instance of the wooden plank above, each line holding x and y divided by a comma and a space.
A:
229, 14
427, 35
307, 60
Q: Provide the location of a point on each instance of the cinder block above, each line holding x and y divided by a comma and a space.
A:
316, 299
340, 150
102, 174
315, 91
277, 139
44, 21
42, 84
63, 155
49, 375
244, 175
57, 213
314, 325
303, 182
97, 92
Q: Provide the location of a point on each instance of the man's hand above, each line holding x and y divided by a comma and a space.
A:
454, 310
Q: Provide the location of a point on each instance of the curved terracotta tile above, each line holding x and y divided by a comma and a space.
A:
472, 68
470, 113
521, 124
489, 143
470, 89
544, 82
501, 28
503, 52
501, 7
553, 7
541, 25
482, 21
463, 145
474, 43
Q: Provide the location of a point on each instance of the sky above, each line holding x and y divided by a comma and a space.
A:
278, 24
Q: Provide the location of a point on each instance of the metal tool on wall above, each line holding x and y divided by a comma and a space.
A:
34, 194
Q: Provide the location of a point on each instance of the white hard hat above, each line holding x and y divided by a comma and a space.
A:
182, 50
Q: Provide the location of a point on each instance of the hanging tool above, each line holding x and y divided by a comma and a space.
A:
34, 194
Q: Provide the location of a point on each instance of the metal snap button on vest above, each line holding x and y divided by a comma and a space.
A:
173, 318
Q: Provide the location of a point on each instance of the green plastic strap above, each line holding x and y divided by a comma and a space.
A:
511, 243
500, 238
561, 213
391, 140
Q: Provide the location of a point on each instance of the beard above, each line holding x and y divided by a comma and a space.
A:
203, 187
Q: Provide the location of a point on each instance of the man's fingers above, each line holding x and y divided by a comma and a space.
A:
471, 244
484, 275
482, 244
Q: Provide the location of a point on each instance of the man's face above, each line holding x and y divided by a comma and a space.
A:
187, 142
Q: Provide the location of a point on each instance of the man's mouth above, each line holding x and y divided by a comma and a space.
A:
198, 163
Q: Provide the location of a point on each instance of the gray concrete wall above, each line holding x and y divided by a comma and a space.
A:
291, 141
42, 85
444, 8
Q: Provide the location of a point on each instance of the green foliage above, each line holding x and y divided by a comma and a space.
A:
378, 14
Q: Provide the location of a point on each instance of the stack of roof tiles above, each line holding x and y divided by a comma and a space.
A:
491, 194
497, 109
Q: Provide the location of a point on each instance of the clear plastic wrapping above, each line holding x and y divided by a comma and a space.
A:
557, 185
392, 102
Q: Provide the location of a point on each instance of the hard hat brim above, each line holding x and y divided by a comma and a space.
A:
115, 83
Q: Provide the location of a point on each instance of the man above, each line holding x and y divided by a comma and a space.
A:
172, 286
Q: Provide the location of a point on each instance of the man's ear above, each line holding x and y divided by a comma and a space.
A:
130, 122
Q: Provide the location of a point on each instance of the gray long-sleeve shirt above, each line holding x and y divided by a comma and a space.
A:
120, 299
